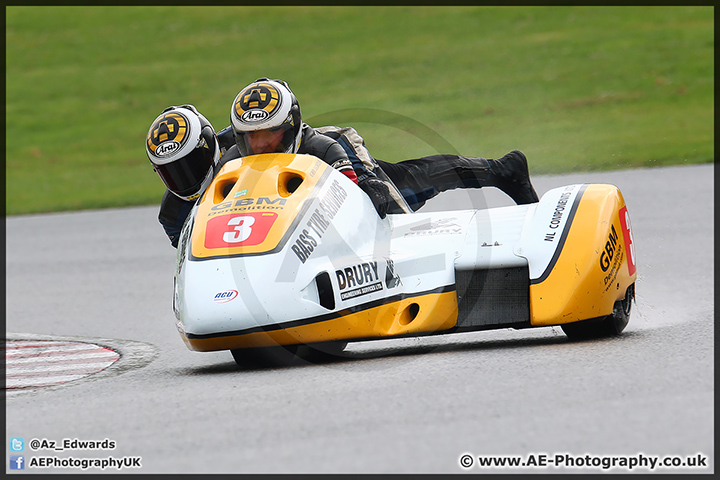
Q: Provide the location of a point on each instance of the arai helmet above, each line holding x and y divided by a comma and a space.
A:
183, 149
266, 107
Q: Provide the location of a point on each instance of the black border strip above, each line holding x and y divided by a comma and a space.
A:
322, 318
563, 237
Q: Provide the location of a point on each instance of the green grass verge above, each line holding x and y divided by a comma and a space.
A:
575, 88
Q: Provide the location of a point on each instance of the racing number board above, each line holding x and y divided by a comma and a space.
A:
244, 229
248, 209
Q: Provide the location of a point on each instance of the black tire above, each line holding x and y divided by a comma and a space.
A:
264, 356
287, 354
609, 326
322, 351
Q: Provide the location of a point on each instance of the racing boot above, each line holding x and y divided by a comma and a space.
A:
423, 178
510, 174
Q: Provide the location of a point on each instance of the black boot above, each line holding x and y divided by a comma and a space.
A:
427, 176
510, 174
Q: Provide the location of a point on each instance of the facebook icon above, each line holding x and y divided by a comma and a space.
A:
17, 462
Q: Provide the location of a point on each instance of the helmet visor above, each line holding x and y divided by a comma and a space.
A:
185, 176
273, 140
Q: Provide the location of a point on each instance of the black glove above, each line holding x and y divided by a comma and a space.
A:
378, 192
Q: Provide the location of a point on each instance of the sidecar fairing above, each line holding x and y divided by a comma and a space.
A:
283, 250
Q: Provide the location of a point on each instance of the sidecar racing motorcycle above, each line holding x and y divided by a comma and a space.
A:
283, 251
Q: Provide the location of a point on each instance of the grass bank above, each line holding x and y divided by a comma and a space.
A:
575, 88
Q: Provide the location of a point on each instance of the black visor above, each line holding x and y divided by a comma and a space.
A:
186, 175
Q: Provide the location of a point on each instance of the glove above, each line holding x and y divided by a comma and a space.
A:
345, 167
378, 192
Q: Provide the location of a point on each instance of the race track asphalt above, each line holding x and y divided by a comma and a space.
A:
392, 406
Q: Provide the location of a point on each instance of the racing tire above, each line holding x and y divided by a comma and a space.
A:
287, 354
609, 326
264, 356
322, 351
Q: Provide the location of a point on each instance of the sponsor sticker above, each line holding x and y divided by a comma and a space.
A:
611, 258
357, 280
443, 226
318, 222
226, 296
365, 278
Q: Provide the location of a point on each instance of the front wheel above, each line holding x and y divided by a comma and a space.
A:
288, 354
609, 326
264, 356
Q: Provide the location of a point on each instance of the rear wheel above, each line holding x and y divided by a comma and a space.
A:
609, 326
322, 351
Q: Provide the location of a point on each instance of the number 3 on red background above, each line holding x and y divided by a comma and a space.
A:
240, 229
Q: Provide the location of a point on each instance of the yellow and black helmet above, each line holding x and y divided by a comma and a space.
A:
183, 149
266, 105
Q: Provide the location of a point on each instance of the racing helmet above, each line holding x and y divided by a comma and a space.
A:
183, 149
266, 106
